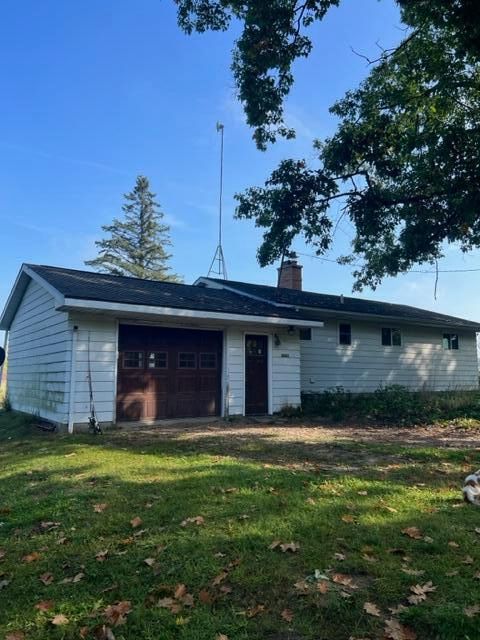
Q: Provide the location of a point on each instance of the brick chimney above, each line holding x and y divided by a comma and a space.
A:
290, 275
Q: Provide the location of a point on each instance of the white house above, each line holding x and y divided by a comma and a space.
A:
155, 350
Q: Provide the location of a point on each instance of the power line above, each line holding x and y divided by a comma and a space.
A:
357, 264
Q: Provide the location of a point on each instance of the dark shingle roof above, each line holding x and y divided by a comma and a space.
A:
88, 285
345, 305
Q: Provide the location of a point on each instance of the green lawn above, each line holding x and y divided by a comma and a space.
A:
343, 503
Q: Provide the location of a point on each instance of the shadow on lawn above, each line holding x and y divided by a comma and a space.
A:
267, 503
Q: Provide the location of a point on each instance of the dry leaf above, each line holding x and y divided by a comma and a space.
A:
45, 605
420, 592
287, 615
101, 556
349, 519
290, 546
116, 614
166, 603
251, 612
100, 507
472, 611
15, 635
477, 530
219, 578
4, 583
205, 596
46, 578
468, 560
221, 636
150, 561
31, 557
339, 556
394, 630
362, 493
453, 544
344, 580
302, 587
412, 572
275, 544
198, 520
323, 587
136, 522
59, 620
454, 572
102, 632
372, 609
413, 532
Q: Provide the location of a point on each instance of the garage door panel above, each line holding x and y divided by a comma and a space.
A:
168, 373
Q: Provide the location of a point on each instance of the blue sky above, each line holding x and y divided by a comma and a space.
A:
94, 94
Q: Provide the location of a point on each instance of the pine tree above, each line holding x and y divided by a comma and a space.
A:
136, 244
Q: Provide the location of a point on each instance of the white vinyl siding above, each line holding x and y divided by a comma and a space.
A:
420, 362
103, 363
284, 365
39, 350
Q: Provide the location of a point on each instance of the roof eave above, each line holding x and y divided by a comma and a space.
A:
97, 306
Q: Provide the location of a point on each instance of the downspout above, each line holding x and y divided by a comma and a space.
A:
5, 344
73, 372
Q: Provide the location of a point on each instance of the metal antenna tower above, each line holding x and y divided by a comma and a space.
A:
218, 266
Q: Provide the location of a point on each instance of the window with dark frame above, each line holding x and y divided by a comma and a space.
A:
157, 360
450, 341
305, 334
208, 360
187, 360
391, 337
345, 333
133, 360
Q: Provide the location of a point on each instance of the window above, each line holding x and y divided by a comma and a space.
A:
157, 360
305, 334
208, 360
391, 337
133, 360
344, 333
187, 360
450, 341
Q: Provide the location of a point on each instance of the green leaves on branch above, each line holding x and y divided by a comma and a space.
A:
404, 161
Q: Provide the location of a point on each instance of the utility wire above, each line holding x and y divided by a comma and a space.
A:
357, 264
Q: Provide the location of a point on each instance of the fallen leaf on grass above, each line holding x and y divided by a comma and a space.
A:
412, 572
477, 530
198, 520
101, 556
46, 578
287, 615
371, 609
221, 636
149, 561
344, 580
59, 620
48, 526
31, 557
136, 522
420, 592
413, 532
453, 544
102, 632
251, 612
290, 546
206, 597
472, 611
15, 635
116, 614
322, 587
3, 553
100, 507
362, 493
302, 587
339, 556
349, 519
452, 573
219, 578
4, 583
45, 605
394, 630
468, 560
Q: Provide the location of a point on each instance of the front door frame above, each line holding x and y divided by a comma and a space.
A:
269, 368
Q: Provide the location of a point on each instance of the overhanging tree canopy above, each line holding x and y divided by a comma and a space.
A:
405, 158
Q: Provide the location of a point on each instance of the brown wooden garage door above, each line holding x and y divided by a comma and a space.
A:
168, 373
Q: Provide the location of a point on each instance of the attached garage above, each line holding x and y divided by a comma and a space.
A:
168, 373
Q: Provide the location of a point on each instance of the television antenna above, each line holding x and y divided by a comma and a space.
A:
218, 266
